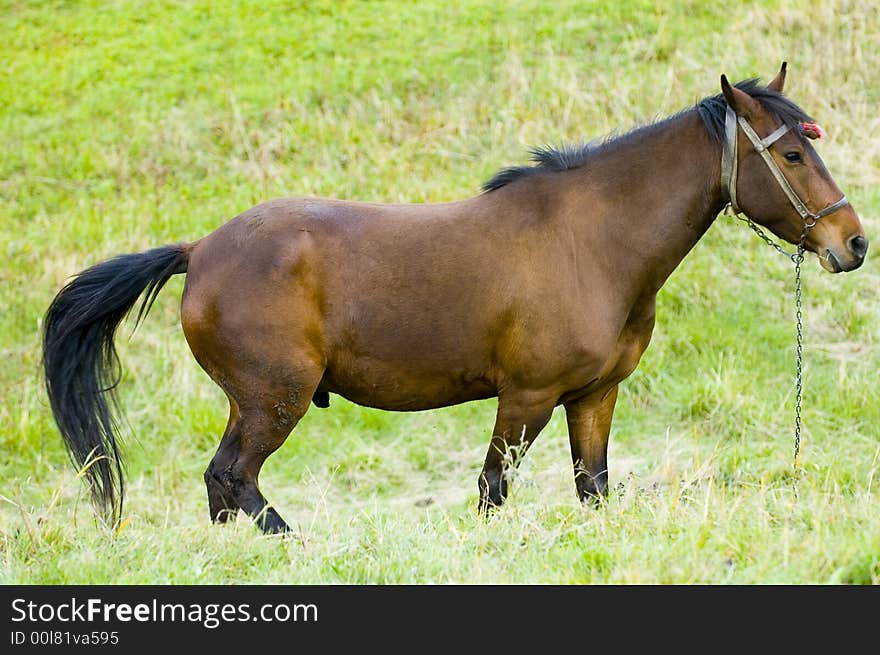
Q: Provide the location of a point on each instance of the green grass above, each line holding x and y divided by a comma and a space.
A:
127, 125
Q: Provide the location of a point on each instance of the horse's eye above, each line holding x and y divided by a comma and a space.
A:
794, 157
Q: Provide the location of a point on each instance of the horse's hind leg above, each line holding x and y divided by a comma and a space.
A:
259, 423
221, 501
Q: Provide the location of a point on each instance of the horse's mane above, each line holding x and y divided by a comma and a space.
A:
712, 110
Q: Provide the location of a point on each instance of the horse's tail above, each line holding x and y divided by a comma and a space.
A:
81, 365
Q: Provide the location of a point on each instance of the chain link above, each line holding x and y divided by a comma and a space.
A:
798, 259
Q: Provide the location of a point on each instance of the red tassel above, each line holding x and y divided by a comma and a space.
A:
812, 130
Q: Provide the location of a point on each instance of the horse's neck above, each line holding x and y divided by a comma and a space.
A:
659, 192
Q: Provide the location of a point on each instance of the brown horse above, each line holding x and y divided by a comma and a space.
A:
540, 291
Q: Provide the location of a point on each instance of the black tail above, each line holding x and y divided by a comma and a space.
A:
81, 365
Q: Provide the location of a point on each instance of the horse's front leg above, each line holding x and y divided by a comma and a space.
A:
589, 424
521, 416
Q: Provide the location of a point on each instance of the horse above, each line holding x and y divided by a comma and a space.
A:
539, 291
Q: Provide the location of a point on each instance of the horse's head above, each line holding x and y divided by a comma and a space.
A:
774, 176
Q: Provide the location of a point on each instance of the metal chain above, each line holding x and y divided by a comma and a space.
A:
799, 386
770, 242
798, 259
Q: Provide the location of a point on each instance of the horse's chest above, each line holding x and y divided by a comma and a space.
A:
609, 351
632, 342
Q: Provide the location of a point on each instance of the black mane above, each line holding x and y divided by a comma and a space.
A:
712, 110
546, 158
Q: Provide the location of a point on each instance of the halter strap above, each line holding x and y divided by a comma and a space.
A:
729, 167
729, 160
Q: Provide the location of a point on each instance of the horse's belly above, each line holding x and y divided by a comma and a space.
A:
399, 388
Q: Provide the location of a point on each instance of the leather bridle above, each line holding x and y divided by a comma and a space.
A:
729, 168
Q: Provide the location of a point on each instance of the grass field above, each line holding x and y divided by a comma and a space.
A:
125, 126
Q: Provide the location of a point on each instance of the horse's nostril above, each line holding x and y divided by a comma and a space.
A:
859, 245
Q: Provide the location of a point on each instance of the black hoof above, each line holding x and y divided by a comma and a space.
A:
488, 505
271, 523
493, 492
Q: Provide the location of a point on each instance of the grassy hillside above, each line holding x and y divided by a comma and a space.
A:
129, 125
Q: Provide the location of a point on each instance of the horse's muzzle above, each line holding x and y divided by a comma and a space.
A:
857, 247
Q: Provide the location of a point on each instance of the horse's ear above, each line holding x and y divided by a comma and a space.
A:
738, 100
779, 81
